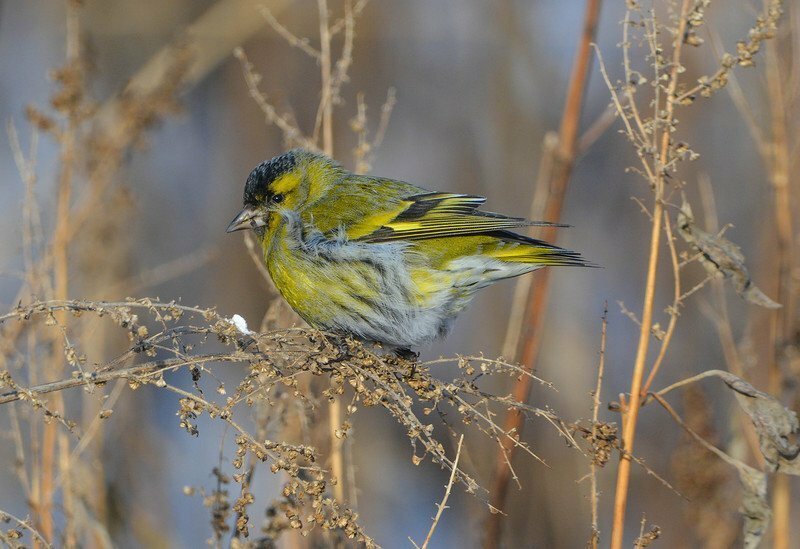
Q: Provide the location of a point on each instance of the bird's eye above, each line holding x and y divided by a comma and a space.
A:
277, 198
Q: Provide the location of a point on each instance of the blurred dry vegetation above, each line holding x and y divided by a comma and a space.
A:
128, 419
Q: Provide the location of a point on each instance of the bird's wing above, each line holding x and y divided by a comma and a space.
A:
433, 215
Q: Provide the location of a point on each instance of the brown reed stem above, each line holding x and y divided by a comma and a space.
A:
631, 410
327, 83
537, 297
60, 253
335, 408
784, 318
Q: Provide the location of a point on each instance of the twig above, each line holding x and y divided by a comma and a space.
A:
596, 130
93, 429
785, 319
386, 116
286, 34
365, 149
740, 101
619, 105
98, 378
59, 251
339, 76
358, 7
443, 505
325, 116
253, 251
673, 310
764, 29
291, 133
595, 535
688, 381
24, 524
19, 451
710, 447
337, 451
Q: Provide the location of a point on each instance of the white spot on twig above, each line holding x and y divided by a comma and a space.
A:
241, 324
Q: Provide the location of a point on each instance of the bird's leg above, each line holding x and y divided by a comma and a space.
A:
411, 356
342, 348
245, 341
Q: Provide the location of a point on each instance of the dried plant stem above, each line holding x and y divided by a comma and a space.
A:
594, 496
37, 536
673, 310
287, 35
537, 299
44, 503
327, 82
781, 513
326, 108
59, 251
273, 360
60, 247
138, 371
783, 331
443, 505
68, 534
337, 451
631, 409
703, 442
291, 133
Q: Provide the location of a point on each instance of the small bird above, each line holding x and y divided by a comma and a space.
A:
379, 259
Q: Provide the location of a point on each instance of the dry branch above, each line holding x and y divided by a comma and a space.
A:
275, 359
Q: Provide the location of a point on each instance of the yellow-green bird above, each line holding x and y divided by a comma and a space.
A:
382, 260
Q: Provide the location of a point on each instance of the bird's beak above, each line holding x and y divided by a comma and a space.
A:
246, 219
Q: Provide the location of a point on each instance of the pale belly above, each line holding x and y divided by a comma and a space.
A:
374, 298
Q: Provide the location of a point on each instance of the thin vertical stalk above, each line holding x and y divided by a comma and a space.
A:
335, 408
327, 83
631, 410
595, 535
537, 297
784, 319
59, 252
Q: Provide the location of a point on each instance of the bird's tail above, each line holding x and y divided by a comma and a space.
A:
536, 252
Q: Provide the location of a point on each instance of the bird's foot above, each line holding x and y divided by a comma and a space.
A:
411, 356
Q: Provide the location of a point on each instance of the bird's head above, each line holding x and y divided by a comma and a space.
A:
291, 181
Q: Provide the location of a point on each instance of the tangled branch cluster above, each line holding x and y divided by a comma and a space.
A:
167, 338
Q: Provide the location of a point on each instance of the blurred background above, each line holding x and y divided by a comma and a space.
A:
478, 86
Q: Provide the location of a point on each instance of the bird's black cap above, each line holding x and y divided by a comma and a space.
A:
257, 187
